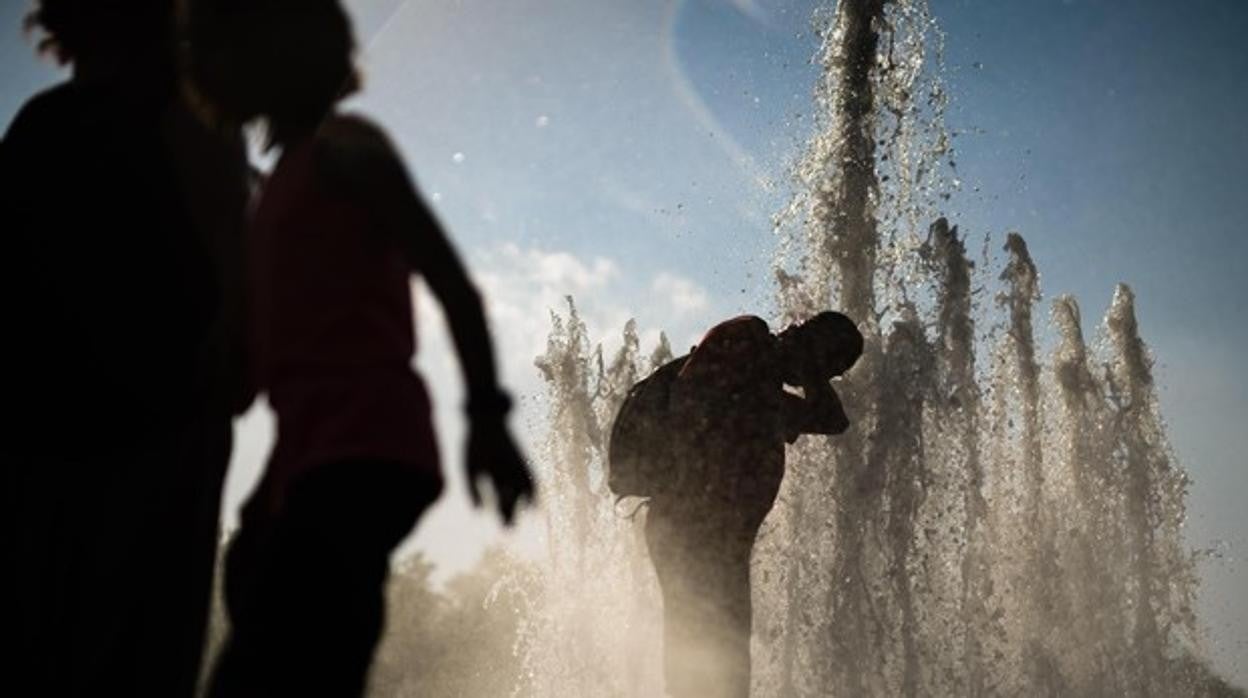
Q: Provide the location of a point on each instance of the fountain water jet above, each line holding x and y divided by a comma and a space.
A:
999, 527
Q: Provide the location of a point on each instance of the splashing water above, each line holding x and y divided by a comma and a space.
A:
1000, 527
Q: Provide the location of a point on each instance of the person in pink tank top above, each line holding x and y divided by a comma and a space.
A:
338, 232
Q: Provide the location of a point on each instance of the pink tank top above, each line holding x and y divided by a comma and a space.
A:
332, 331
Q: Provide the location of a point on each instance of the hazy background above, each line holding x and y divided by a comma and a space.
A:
632, 154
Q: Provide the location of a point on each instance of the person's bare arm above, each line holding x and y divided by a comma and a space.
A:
441, 268
818, 411
365, 157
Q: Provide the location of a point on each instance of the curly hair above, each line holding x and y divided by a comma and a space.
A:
285, 61
72, 28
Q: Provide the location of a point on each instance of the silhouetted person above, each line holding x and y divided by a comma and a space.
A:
338, 233
731, 417
120, 218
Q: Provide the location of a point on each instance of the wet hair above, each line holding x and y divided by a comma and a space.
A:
71, 29
285, 61
830, 327
830, 338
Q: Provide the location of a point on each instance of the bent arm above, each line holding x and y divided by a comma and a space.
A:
367, 160
819, 412
431, 253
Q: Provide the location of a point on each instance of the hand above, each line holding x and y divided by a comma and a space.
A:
839, 421
493, 455
824, 399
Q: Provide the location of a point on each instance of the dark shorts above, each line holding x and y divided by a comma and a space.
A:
304, 587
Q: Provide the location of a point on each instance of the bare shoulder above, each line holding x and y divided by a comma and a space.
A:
357, 152
354, 131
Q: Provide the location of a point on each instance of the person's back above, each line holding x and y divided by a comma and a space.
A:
120, 214
111, 279
728, 400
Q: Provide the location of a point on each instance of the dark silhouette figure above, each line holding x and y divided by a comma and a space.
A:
121, 219
731, 417
337, 235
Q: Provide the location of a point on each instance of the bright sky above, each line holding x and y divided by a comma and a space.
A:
632, 154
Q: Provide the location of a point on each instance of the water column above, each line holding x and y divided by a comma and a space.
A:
1161, 583
1015, 531
595, 633
897, 461
1091, 545
1036, 575
959, 415
837, 213
842, 223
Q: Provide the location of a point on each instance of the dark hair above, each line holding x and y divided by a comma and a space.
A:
71, 29
833, 328
830, 338
286, 61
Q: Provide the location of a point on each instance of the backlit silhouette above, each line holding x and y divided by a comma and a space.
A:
338, 232
122, 215
704, 439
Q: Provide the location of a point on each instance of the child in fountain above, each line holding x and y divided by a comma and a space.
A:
338, 232
730, 417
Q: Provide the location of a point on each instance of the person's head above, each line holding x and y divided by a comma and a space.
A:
115, 37
822, 347
286, 61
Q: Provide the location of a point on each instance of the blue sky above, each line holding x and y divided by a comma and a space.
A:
633, 153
